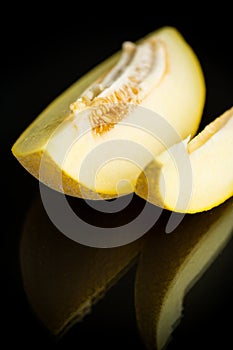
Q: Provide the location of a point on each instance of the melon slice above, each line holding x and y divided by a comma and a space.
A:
193, 176
87, 142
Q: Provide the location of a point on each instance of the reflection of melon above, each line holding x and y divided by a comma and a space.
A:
160, 73
207, 167
171, 263
62, 278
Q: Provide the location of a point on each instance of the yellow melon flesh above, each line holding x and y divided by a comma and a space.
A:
57, 144
170, 264
203, 178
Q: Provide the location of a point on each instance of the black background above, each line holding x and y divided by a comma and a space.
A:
43, 51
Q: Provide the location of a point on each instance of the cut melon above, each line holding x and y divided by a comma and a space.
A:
87, 142
193, 176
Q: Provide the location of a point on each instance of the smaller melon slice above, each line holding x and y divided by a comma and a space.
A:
193, 176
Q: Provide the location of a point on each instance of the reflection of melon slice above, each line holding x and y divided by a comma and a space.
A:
170, 264
63, 279
160, 73
206, 175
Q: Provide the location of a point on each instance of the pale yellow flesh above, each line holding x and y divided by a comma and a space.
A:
206, 177
169, 266
178, 97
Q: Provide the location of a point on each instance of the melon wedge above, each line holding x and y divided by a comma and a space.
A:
95, 118
170, 264
193, 176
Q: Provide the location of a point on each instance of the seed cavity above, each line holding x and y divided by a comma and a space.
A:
137, 72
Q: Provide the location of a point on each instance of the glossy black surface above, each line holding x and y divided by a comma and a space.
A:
41, 57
